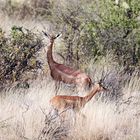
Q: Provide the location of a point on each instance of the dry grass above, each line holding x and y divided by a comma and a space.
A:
23, 113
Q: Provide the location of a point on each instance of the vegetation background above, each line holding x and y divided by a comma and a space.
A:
97, 37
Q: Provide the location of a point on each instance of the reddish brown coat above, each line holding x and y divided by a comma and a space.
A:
60, 72
62, 102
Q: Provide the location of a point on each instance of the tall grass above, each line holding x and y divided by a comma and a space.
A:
23, 113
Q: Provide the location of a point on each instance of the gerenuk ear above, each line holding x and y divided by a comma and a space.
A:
47, 35
58, 35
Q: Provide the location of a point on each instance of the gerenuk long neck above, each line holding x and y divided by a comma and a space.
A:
49, 53
93, 91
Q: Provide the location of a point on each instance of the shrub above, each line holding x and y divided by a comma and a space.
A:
18, 55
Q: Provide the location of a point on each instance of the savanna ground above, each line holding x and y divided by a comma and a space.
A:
91, 41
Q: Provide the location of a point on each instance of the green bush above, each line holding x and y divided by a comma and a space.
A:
116, 30
18, 55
